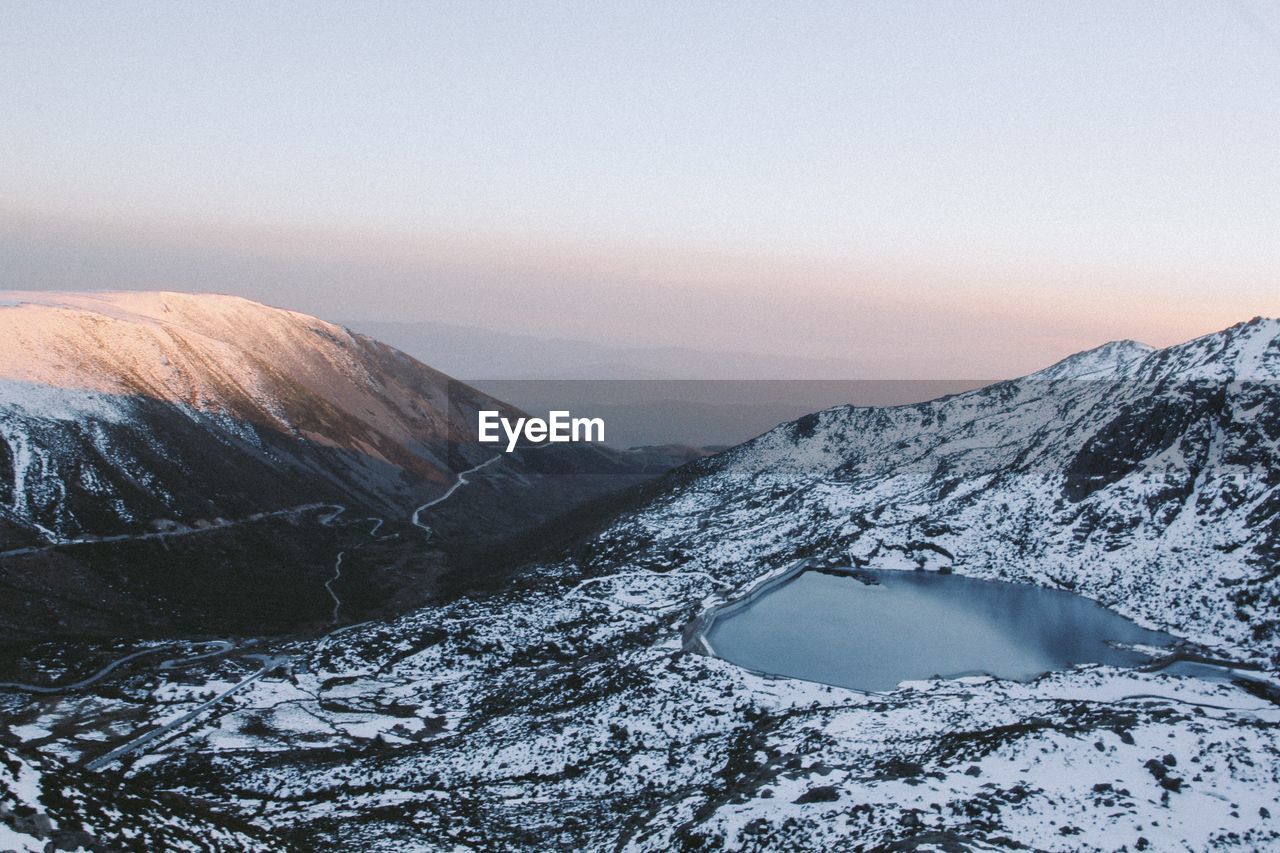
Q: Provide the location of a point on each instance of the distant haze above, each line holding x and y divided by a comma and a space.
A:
472, 353
856, 190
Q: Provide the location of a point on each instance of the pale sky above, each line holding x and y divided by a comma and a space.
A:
920, 189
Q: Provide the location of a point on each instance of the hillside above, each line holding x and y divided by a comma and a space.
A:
1148, 479
197, 461
120, 408
569, 707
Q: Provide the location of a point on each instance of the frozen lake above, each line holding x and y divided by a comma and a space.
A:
878, 628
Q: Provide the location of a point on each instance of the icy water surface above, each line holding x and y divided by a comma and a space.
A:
840, 630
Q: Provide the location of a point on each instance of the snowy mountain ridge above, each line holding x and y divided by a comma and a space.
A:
1243, 352
209, 352
1152, 484
162, 453
112, 403
1116, 358
566, 709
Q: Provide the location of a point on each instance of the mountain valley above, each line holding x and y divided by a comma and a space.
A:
174, 462
572, 705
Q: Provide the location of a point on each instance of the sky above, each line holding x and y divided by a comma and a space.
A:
898, 189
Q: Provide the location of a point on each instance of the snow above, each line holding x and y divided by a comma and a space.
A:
564, 708
1112, 360
51, 402
209, 352
10, 840
81, 374
30, 731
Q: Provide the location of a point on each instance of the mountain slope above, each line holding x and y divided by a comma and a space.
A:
129, 421
1147, 479
567, 705
45, 805
119, 408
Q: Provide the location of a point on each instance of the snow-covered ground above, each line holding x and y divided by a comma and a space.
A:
565, 711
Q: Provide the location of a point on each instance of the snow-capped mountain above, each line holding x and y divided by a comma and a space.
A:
120, 408
1148, 479
568, 710
128, 420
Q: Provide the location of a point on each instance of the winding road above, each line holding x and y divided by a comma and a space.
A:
222, 646
270, 663
337, 576
459, 483
84, 682
183, 531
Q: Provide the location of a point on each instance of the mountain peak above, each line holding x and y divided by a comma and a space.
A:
210, 351
1112, 359
108, 388
1248, 351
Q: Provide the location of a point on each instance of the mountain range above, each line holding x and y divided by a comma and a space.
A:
1146, 479
128, 420
567, 705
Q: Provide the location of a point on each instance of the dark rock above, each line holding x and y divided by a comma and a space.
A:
898, 768
819, 794
36, 825
73, 840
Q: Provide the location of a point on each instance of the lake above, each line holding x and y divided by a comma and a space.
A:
879, 628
